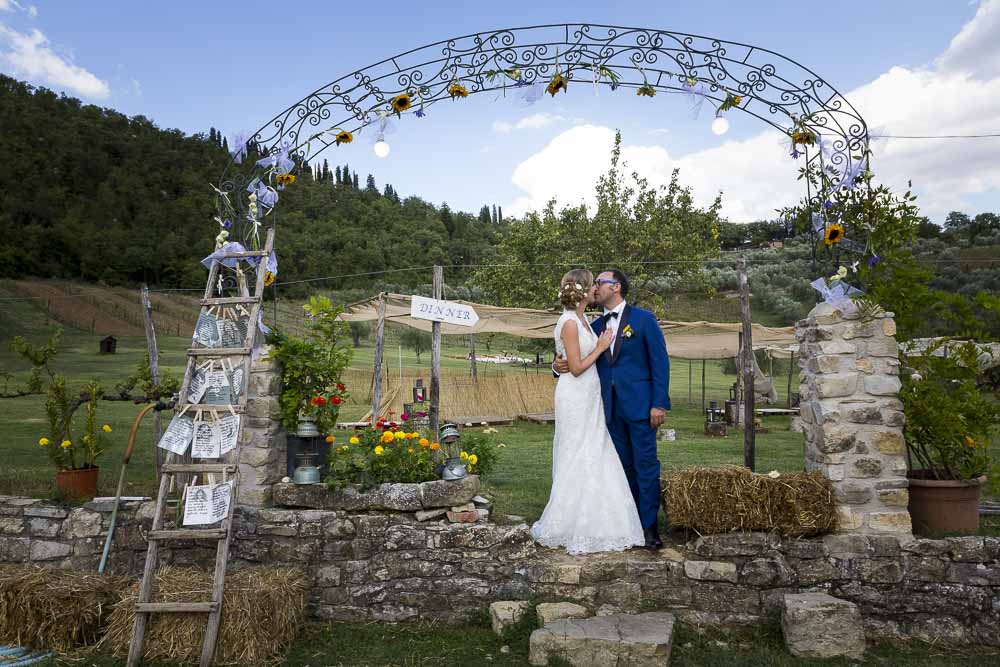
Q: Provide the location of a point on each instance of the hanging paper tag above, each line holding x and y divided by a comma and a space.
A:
206, 331
229, 431
206, 440
198, 385
229, 334
208, 503
218, 391
178, 435
236, 383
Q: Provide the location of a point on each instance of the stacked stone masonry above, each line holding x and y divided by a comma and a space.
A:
389, 566
852, 417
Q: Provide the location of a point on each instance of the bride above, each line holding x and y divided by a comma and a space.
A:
590, 506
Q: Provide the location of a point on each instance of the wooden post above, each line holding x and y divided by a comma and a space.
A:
472, 358
434, 412
791, 365
154, 369
749, 427
379, 350
702, 386
690, 382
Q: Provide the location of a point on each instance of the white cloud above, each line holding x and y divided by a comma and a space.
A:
14, 5
533, 122
29, 56
958, 94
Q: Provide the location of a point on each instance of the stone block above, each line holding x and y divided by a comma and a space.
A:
889, 327
837, 439
817, 625
555, 611
11, 525
45, 550
46, 512
463, 517
836, 347
888, 442
441, 493
836, 385
427, 515
82, 523
505, 614
854, 493
882, 385
890, 522
831, 363
866, 467
894, 497
860, 330
43, 527
641, 640
849, 520
883, 347
704, 570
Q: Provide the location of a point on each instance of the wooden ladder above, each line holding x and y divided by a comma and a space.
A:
222, 534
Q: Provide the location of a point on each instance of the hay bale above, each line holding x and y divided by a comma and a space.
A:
263, 609
59, 610
720, 500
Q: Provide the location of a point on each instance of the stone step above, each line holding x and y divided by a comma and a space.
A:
633, 640
818, 625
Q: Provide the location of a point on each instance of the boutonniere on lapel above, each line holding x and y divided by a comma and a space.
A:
627, 331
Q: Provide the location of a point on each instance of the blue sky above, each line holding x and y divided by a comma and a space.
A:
235, 65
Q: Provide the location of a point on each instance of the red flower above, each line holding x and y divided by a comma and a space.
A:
421, 415
318, 401
341, 387
404, 416
335, 400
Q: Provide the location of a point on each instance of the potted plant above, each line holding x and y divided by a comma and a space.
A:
311, 391
949, 423
384, 451
75, 457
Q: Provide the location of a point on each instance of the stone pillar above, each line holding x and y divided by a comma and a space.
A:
262, 455
852, 417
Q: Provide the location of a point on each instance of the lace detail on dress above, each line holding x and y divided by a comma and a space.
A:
590, 505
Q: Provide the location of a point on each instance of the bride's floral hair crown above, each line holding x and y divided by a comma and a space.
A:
574, 287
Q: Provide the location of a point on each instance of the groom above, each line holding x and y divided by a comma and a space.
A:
635, 382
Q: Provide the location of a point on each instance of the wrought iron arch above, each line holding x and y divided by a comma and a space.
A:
763, 83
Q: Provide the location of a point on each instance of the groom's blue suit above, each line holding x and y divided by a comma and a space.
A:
634, 379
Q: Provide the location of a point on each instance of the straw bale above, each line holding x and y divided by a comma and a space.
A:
263, 610
58, 610
724, 499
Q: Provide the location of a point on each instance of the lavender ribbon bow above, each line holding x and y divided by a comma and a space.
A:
230, 262
695, 95
838, 295
266, 196
279, 161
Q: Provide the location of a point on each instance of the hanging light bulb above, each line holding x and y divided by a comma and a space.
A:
720, 125
381, 147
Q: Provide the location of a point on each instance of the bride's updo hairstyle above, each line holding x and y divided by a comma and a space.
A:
574, 287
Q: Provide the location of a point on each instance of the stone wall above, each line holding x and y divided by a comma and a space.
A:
262, 454
852, 417
388, 566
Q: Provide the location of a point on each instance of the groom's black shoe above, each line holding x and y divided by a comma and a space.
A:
653, 540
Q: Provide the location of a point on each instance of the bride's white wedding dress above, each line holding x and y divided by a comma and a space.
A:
590, 506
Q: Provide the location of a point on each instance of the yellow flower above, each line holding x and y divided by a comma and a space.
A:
645, 90
401, 103
464, 456
715, 233
342, 449
435, 446
87, 439
457, 90
400, 435
268, 278
970, 442
344, 137
387, 437
379, 450
286, 179
43, 442
331, 438
423, 442
473, 459
409, 450
805, 137
106, 428
66, 444
354, 440
834, 234
558, 83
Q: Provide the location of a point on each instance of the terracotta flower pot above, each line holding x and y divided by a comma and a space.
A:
78, 484
945, 505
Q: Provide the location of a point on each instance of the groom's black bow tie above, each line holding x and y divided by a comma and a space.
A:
607, 316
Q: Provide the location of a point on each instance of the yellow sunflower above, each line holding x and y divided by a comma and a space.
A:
645, 90
401, 103
834, 234
344, 137
286, 179
804, 137
558, 83
268, 278
457, 90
